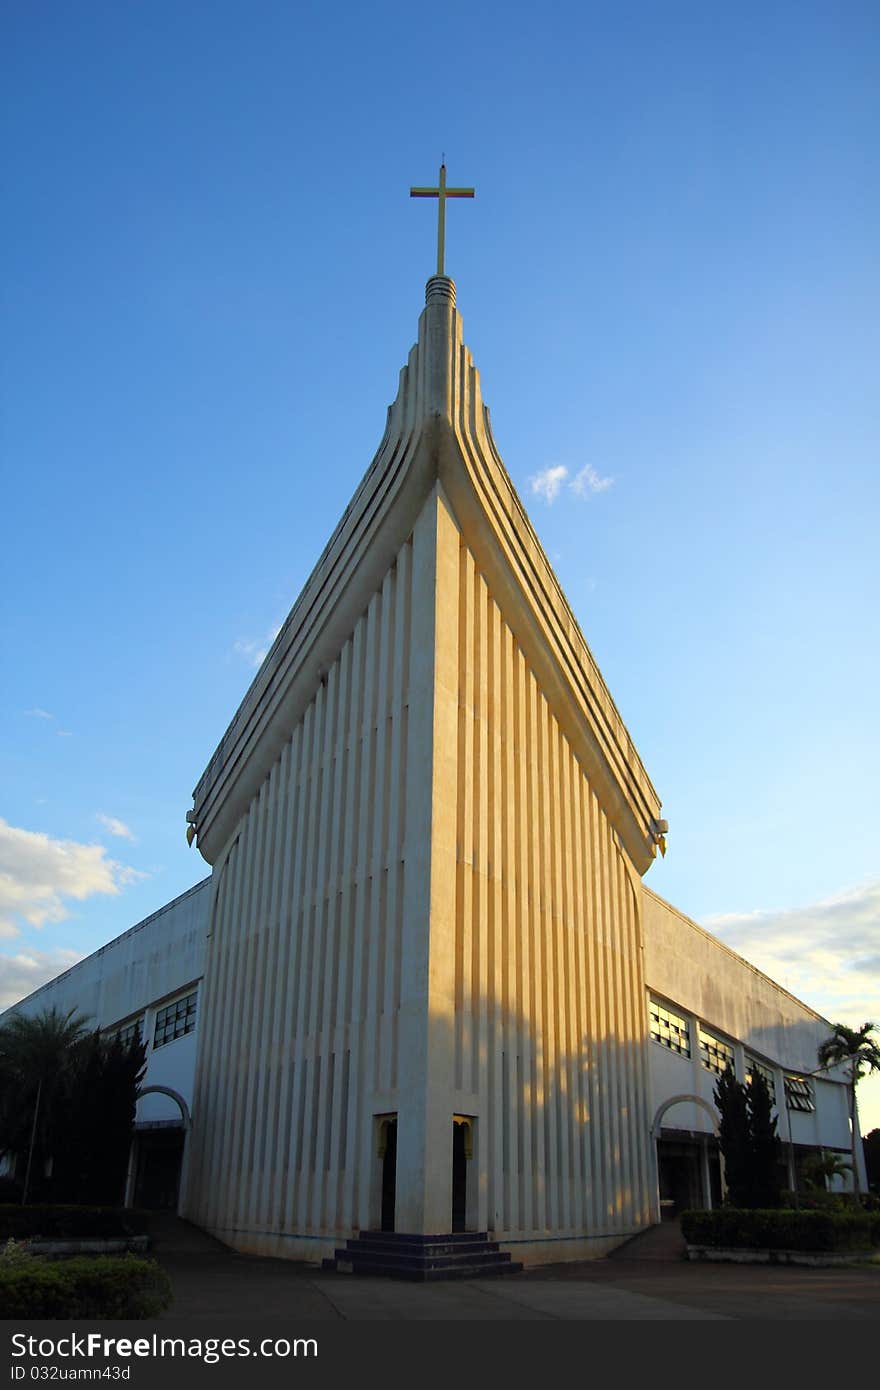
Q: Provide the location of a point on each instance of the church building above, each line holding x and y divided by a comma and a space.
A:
428, 990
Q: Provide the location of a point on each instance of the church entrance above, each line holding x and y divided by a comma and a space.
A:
689, 1173
159, 1159
462, 1153
388, 1152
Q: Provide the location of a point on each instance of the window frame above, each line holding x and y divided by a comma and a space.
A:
710, 1044
126, 1031
792, 1080
184, 1011
676, 1025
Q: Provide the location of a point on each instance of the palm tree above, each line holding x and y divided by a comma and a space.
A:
37, 1052
821, 1168
857, 1050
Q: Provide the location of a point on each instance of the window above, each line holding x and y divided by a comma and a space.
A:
129, 1032
799, 1093
715, 1055
753, 1066
669, 1030
175, 1020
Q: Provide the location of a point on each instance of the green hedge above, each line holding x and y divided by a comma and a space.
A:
782, 1229
100, 1287
71, 1223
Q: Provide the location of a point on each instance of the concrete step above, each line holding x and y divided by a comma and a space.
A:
417, 1274
403, 1255
661, 1242
431, 1248
473, 1259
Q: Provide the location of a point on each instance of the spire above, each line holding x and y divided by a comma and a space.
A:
437, 440
439, 381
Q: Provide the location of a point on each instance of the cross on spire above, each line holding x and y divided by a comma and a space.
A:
441, 193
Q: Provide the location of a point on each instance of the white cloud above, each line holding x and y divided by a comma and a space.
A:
37, 713
831, 948
21, 974
255, 651
589, 481
64, 733
547, 483
116, 827
38, 873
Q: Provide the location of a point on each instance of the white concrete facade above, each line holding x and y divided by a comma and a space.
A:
716, 992
428, 817
427, 826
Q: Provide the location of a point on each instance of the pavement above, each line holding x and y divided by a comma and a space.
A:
647, 1279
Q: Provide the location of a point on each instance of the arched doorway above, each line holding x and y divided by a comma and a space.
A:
158, 1152
690, 1169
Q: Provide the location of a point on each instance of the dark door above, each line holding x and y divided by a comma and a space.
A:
160, 1154
389, 1175
459, 1179
680, 1185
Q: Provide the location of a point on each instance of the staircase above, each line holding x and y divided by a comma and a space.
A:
462, 1255
662, 1242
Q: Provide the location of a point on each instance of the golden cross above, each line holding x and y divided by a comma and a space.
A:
441, 193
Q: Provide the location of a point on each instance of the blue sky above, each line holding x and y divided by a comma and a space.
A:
212, 273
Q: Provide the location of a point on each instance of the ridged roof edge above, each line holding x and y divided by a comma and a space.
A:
436, 424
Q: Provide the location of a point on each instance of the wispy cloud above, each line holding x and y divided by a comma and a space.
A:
828, 953
38, 874
254, 651
24, 972
588, 481
549, 482
37, 713
116, 827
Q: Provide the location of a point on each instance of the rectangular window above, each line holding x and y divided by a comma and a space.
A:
175, 1020
753, 1066
715, 1055
669, 1030
799, 1093
129, 1032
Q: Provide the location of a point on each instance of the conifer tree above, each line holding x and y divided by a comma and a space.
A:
733, 1136
749, 1142
765, 1180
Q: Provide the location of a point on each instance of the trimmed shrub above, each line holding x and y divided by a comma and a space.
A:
14, 1252
814, 1231
817, 1201
71, 1223
101, 1287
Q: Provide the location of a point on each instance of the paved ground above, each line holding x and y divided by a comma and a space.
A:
645, 1280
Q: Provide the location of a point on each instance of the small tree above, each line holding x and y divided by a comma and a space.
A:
857, 1050
37, 1055
123, 1071
821, 1168
749, 1142
764, 1145
99, 1115
733, 1136
70, 1096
